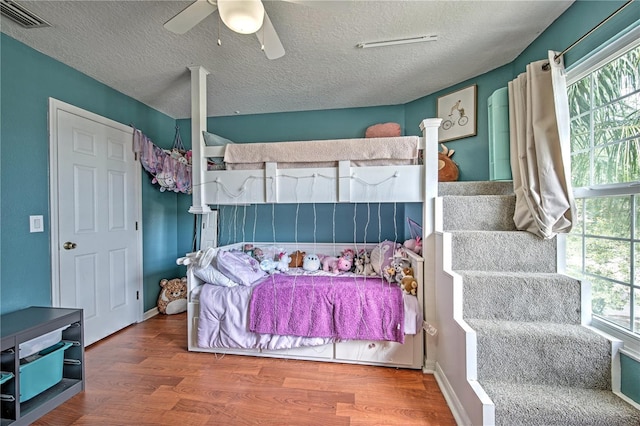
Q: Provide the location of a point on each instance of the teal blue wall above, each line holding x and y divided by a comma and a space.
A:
28, 79
472, 153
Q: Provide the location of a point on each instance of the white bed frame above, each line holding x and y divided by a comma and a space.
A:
390, 354
341, 184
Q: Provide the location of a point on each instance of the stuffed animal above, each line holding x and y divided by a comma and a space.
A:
258, 254
311, 262
173, 296
408, 283
344, 264
335, 265
297, 258
165, 180
389, 274
282, 261
381, 256
363, 264
414, 244
447, 168
270, 266
359, 265
349, 254
393, 273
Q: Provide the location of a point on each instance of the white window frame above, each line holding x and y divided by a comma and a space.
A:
627, 40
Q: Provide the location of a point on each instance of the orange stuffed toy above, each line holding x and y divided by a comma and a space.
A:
447, 168
297, 257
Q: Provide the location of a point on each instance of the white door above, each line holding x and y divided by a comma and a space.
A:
95, 193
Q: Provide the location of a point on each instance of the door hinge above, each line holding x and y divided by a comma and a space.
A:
136, 225
137, 295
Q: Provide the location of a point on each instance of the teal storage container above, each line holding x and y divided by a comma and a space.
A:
5, 377
43, 372
499, 161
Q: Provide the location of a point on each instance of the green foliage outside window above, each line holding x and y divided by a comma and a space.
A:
604, 245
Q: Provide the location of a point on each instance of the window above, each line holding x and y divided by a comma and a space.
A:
604, 245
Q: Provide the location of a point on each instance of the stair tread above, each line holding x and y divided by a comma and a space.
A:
504, 327
558, 405
469, 188
515, 274
482, 212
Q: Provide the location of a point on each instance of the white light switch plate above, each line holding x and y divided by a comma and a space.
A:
36, 223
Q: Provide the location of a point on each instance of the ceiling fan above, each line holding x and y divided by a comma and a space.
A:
241, 16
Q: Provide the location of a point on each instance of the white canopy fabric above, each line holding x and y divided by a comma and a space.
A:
540, 150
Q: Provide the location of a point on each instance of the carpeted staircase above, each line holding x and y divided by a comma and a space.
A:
535, 360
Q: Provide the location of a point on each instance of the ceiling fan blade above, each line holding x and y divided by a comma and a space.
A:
190, 17
268, 37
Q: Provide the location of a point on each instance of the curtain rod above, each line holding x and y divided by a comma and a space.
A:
546, 66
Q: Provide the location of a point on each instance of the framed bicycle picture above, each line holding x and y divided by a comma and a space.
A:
458, 111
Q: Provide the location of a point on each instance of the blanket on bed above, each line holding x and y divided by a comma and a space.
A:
384, 149
361, 308
223, 319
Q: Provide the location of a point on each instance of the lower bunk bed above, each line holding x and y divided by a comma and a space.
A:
243, 302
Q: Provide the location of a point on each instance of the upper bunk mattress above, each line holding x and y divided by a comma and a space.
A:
401, 150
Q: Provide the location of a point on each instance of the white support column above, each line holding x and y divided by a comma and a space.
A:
429, 129
198, 125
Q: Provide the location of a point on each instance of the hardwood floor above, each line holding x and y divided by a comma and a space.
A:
144, 375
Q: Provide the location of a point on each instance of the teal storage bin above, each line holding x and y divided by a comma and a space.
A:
5, 377
499, 152
43, 372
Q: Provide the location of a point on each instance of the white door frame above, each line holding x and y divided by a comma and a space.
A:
55, 106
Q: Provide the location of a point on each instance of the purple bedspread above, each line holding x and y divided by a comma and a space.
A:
361, 308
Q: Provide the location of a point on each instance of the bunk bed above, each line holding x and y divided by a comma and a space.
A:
338, 179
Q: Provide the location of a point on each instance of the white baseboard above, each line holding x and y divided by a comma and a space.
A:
150, 314
458, 411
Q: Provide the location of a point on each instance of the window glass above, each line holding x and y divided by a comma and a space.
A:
580, 97
609, 216
610, 301
617, 78
603, 246
608, 258
580, 133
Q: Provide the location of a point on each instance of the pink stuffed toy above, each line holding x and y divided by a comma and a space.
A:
350, 254
414, 244
335, 264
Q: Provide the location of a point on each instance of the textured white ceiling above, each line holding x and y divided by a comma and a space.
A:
124, 45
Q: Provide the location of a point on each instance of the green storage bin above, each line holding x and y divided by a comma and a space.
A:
43, 372
499, 152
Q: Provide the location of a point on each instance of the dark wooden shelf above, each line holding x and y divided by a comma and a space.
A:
26, 324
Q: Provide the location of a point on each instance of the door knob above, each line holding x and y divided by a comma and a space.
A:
69, 245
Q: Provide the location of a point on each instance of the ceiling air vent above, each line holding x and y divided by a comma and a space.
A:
22, 16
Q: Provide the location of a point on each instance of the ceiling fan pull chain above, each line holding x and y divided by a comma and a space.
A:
219, 41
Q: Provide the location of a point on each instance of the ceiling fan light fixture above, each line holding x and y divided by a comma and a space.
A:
242, 16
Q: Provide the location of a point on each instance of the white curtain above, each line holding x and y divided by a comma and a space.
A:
540, 151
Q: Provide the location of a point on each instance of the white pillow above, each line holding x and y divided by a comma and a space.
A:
211, 139
211, 275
